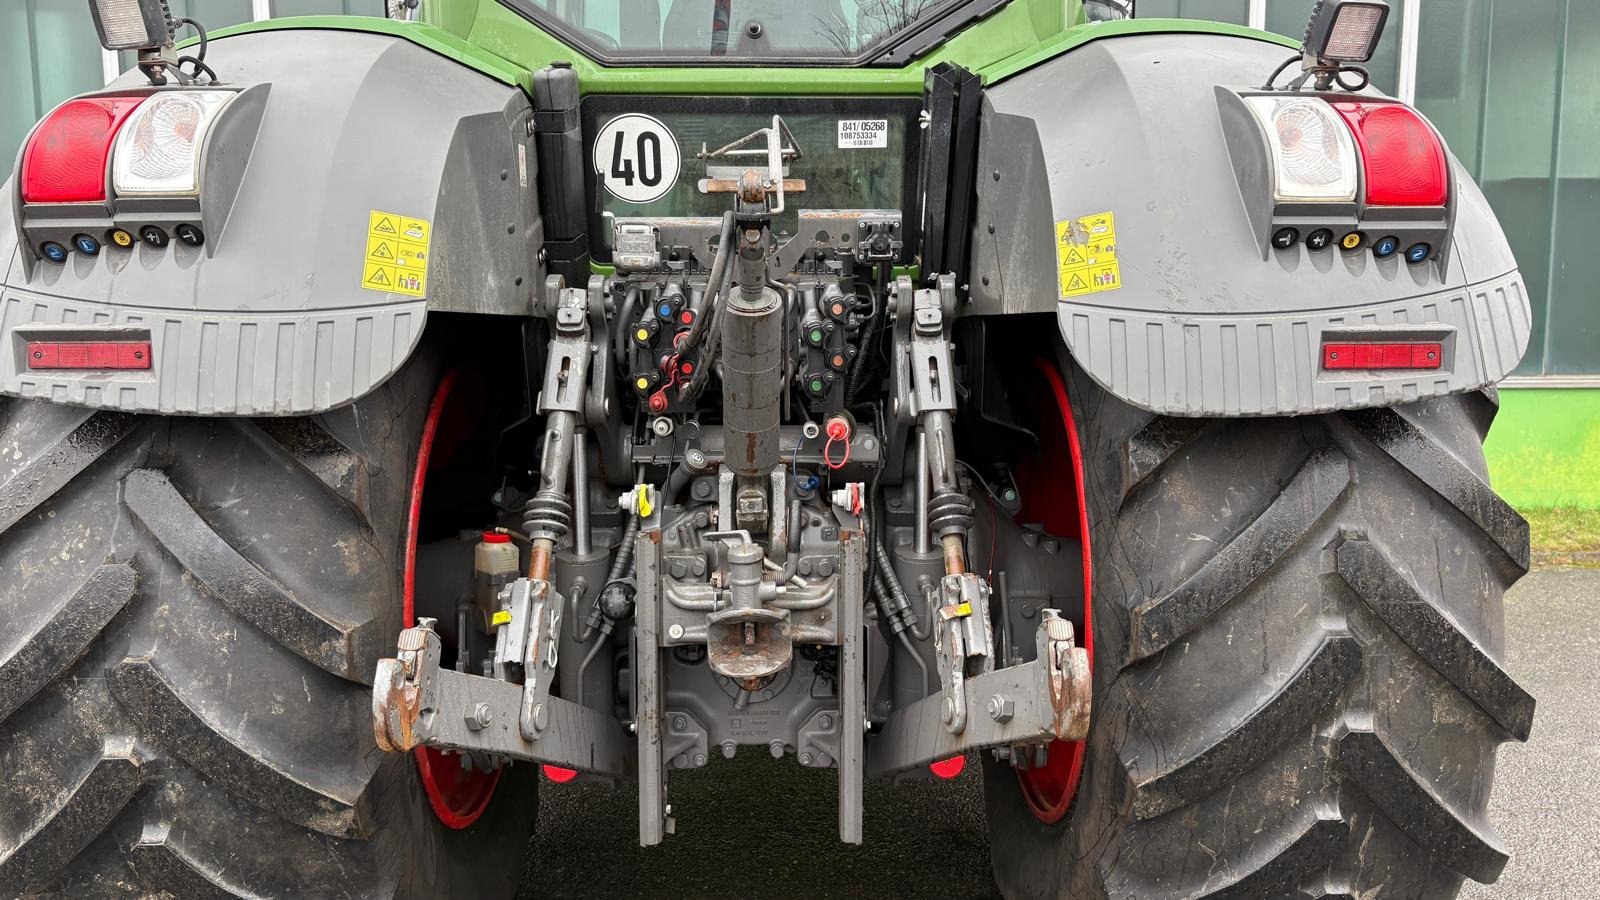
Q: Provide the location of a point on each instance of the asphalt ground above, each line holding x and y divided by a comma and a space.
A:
755, 828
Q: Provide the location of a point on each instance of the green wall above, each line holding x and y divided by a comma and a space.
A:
1544, 448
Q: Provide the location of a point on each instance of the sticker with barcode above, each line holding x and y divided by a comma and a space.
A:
863, 134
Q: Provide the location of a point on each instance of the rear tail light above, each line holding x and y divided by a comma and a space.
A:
65, 161
948, 768
1407, 355
158, 151
89, 354
1404, 158
1314, 158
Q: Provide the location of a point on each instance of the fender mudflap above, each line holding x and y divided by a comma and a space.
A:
384, 182
1127, 217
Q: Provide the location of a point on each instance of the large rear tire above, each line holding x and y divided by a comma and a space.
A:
1298, 631
192, 609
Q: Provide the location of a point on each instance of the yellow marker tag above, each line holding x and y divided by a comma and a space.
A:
122, 237
501, 617
397, 254
642, 493
963, 610
1086, 255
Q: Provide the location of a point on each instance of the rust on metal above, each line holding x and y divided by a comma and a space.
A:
539, 556
1068, 680
396, 706
955, 556
729, 185
752, 187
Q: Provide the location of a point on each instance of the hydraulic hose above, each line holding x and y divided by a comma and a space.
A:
714, 291
624, 324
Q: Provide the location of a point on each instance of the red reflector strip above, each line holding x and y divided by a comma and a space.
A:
1382, 356
89, 355
559, 775
948, 768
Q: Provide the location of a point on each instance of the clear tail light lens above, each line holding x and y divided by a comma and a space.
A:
1313, 156
65, 161
158, 150
1405, 159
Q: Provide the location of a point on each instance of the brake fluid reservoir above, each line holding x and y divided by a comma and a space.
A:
495, 563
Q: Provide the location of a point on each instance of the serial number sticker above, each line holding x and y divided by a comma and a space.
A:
397, 254
863, 134
1086, 255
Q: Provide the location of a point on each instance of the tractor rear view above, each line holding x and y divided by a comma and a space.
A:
394, 411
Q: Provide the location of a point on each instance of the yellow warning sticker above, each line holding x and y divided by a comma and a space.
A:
397, 254
1086, 253
500, 617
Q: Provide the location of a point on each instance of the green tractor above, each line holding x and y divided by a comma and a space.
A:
405, 417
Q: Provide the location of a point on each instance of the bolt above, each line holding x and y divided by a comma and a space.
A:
777, 749
729, 748
680, 723
541, 717
667, 810
947, 711
825, 723
699, 759
633, 727
1002, 708
805, 759
677, 569
675, 632
479, 717
1001, 754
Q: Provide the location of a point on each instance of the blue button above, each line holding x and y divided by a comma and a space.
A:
1385, 247
86, 245
53, 251
1418, 253
664, 310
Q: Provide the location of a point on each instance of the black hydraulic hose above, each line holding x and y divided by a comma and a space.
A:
619, 568
897, 593
856, 370
714, 290
619, 340
702, 372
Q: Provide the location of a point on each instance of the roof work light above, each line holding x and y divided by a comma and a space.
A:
1344, 32
132, 24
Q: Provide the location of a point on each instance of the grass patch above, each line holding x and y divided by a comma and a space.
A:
1564, 535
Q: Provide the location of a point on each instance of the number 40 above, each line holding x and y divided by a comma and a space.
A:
648, 152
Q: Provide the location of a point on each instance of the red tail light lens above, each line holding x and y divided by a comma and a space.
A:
65, 161
1405, 161
948, 768
1408, 355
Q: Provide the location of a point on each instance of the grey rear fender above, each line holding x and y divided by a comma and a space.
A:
277, 313
1197, 315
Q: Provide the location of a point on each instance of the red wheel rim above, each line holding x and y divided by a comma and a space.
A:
1058, 504
458, 795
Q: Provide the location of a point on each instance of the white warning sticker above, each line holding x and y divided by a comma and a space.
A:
863, 134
